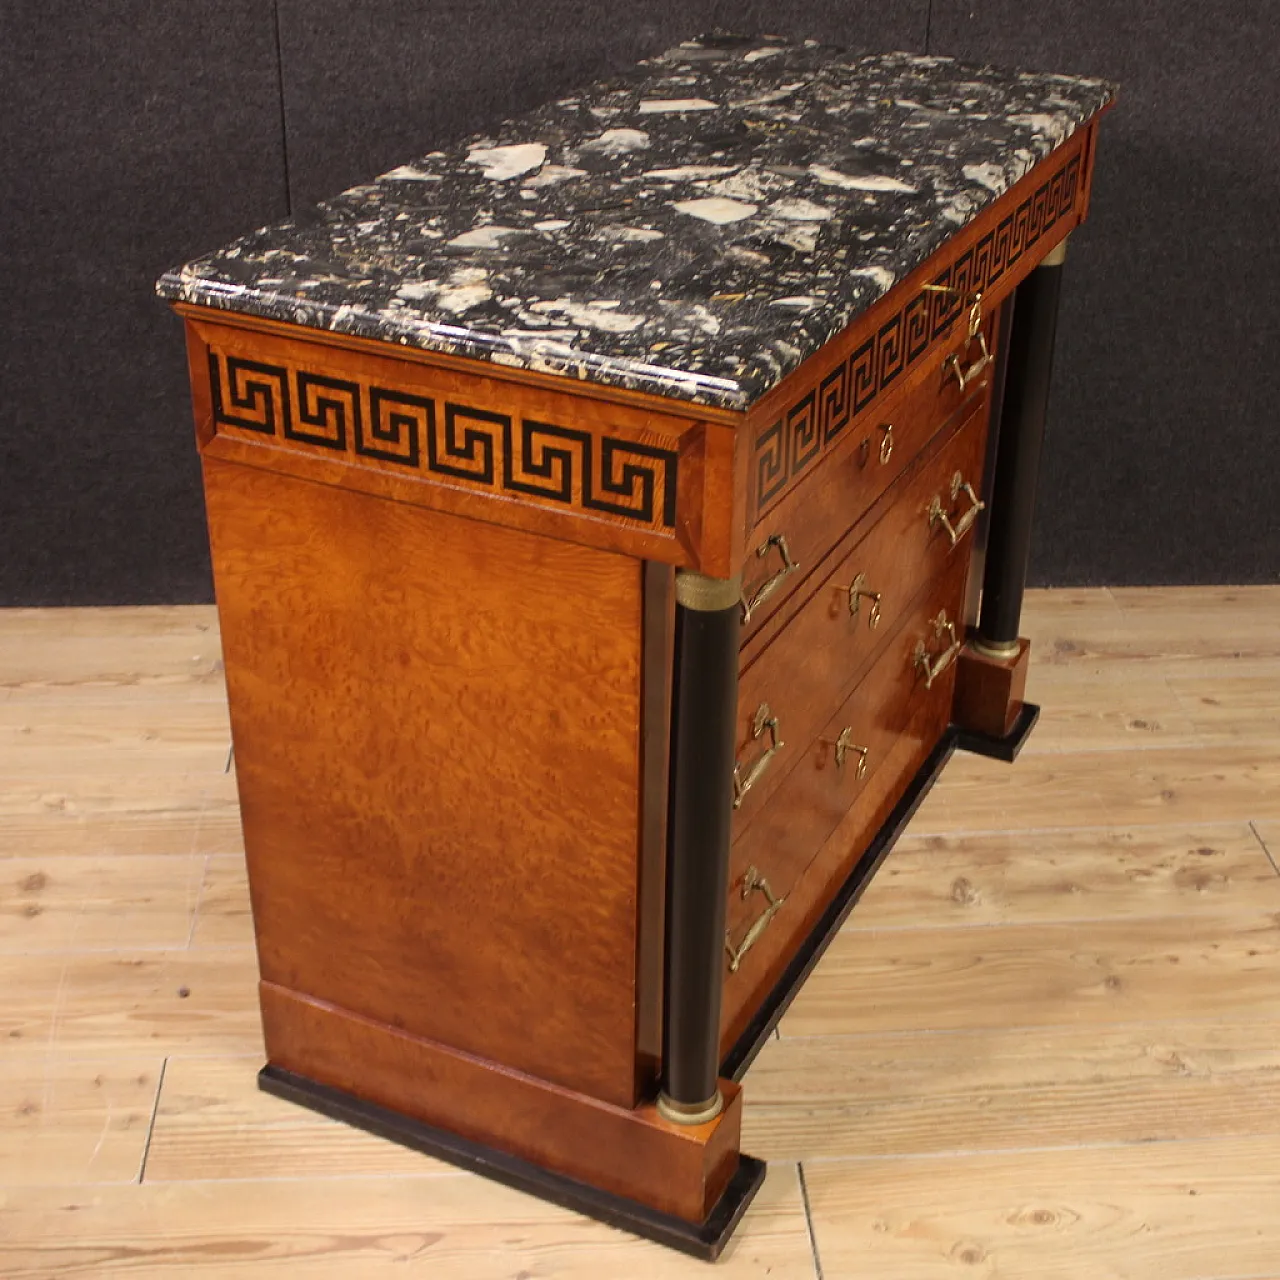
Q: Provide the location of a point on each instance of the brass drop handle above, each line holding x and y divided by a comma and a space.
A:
934, 666
771, 584
938, 515
764, 719
886, 442
843, 745
952, 364
752, 881
855, 591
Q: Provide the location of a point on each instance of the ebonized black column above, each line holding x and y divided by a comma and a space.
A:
705, 711
1017, 463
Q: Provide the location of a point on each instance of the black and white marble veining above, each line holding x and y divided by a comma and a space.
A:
695, 227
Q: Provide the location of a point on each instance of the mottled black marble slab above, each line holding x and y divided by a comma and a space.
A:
695, 227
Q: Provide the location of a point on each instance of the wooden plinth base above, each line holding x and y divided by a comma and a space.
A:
704, 1240
989, 690
633, 1153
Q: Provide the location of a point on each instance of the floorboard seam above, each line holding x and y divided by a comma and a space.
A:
151, 1127
808, 1218
1257, 835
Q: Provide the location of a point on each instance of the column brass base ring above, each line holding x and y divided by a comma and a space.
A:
1000, 649
690, 1113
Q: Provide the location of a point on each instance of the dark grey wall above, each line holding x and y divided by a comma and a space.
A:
134, 134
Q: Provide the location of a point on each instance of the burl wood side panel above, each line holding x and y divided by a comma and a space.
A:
632, 474
437, 743
679, 1169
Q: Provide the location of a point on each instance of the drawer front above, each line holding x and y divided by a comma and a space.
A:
829, 642
845, 781
793, 538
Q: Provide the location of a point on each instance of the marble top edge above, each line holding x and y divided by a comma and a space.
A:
694, 227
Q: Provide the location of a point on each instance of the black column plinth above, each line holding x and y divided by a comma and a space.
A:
1017, 461
702, 756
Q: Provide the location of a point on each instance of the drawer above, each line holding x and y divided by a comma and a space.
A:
783, 870
793, 538
812, 664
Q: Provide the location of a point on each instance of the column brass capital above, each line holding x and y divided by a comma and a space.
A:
1057, 255
707, 595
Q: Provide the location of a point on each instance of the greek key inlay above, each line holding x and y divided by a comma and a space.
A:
478, 448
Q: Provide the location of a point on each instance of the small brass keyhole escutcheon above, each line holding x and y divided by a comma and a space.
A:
886, 442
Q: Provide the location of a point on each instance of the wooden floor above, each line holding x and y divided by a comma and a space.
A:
1047, 1045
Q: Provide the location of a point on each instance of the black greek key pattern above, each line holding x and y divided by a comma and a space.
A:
463, 445
791, 444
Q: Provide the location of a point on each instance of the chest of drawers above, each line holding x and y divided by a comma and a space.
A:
616, 523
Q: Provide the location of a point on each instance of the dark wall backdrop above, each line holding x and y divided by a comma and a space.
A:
135, 134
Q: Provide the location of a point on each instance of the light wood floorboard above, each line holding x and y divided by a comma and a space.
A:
1046, 1045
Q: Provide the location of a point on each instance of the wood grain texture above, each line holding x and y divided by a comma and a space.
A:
223, 915
1101, 971
123, 738
98, 904
213, 1122
1089, 873
1150, 1211
428, 741
900, 1094
130, 1002
96, 813
75, 1120
337, 1228
100, 654
1185, 631
1107, 706
1121, 789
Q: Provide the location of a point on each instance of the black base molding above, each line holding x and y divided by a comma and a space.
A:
775, 1004
702, 1241
1006, 748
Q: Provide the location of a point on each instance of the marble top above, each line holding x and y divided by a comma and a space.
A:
695, 227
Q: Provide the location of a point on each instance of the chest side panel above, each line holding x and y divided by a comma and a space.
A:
437, 729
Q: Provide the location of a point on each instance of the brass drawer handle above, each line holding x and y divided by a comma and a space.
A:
952, 363
855, 592
765, 719
843, 745
933, 667
937, 515
750, 882
769, 585
886, 444
967, 376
